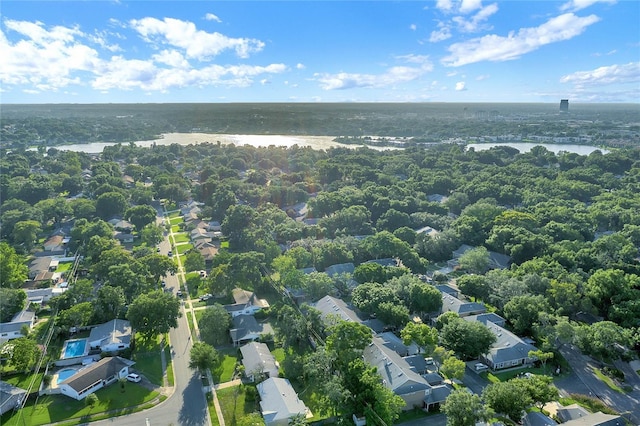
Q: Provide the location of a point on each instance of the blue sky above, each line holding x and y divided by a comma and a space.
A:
320, 51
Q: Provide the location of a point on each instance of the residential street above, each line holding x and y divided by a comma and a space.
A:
187, 404
584, 381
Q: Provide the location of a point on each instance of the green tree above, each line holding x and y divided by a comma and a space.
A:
154, 313
393, 314
507, 398
109, 303
13, 271
465, 409
424, 336
523, 312
141, 216
347, 340
151, 235
467, 339
12, 301
110, 204
453, 368
475, 286
214, 325
540, 389
24, 353
475, 260
25, 233
76, 316
203, 357
194, 261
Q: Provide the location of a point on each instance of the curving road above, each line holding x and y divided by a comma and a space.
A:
584, 381
187, 405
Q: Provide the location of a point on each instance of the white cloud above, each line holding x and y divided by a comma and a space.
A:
128, 74
264, 81
172, 58
391, 77
300, 66
42, 58
442, 33
476, 22
47, 59
482, 77
197, 44
575, 5
422, 60
470, 5
413, 27
612, 74
212, 17
444, 5
461, 86
498, 48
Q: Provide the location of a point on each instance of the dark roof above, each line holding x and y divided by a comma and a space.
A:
340, 268
93, 373
10, 396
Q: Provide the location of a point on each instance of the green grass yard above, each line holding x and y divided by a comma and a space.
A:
183, 248
148, 361
115, 400
237, 402
224, 373
64, 267
181, 237
607, 380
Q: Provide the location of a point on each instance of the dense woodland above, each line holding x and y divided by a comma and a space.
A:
569, 223
50, 125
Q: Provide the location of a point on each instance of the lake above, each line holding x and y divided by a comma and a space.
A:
315, 142
553, 147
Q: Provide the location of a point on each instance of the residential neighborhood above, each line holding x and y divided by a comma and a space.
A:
196, 292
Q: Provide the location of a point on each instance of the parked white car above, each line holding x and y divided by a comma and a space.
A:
133, 377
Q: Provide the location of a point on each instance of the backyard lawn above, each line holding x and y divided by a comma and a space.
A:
224, 373
237, 402
64, 267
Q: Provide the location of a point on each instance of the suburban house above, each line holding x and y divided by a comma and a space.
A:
111, 336
123, 237
496, 260
279, 402
13, 329
199, 234
41, 296
398, 376
246, 303
339, 269
214, 226
55, 245
462, 308
536, 418
508, 351
395, 343
39, 265
10, 397
121, 225
95, 376
245, 329
331, 309
258, 361
575, 415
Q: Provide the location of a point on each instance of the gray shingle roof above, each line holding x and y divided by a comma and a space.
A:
10, 396
257, 357
278, 400
93, 373
114, 331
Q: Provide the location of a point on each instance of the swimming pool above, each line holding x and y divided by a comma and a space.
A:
65, 374
74, 348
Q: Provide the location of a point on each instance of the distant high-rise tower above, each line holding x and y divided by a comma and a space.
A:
564, 105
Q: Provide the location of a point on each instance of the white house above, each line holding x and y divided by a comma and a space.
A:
10, 397
258, 361
246, 303
13, 329
245, 328
111, 336
95, 376
279, 402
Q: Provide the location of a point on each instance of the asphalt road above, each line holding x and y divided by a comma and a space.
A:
187, 405
584, 381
